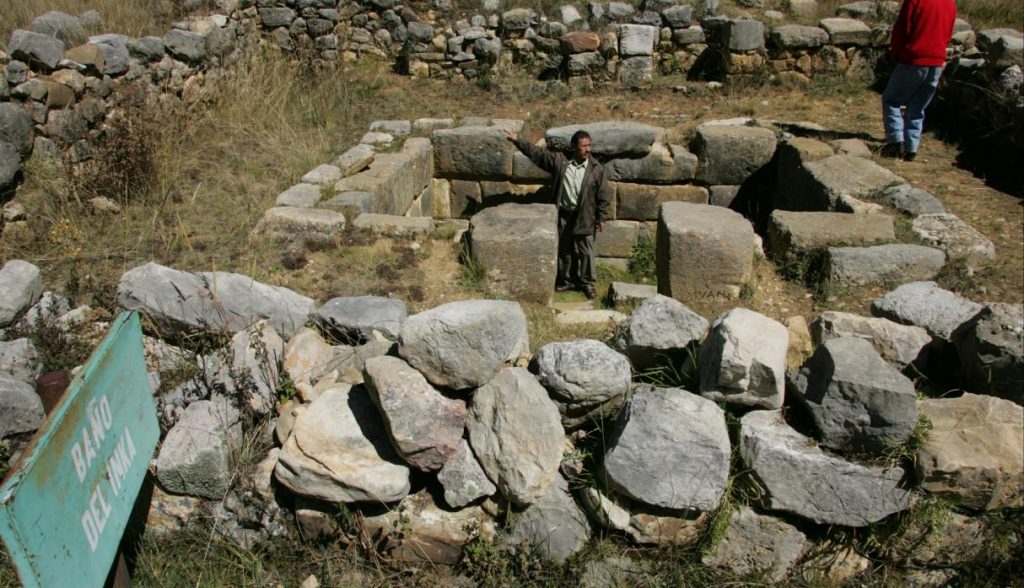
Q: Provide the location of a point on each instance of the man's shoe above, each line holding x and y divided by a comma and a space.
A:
893, 150
563, 287
909, 155
590, 293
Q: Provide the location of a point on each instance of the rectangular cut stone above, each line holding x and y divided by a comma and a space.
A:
525, 171
617, 239
466, 198
441, 199
356, 202
744, 35
422, 205
473, 153
637, 40
300, 196
702, 251
661, 166
517, 247
395, 226
791, 233
883, 264
642, 201
817, 185
355, 159
395, 179
846, 31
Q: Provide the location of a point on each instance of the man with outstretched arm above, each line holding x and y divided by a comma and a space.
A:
918, 46
583, 197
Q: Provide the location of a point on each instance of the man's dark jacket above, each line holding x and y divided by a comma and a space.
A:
595, 194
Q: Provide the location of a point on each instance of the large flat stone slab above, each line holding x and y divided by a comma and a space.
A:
883, 264
394, 179
925, 304
516, 245
818, 184
393, 225
961, 242
301, 226
792, 233
608, 138
898, 344
703, 251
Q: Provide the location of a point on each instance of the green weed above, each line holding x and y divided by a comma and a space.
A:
641, 259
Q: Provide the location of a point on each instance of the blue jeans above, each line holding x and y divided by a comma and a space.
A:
912, 86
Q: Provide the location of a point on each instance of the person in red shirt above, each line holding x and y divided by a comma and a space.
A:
920, 35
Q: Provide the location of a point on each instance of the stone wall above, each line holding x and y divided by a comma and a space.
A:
57, 86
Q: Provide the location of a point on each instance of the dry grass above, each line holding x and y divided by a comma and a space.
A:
130, 17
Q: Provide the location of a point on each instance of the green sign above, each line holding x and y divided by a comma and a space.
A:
62, 513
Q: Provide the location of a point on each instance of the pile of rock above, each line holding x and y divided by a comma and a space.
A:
444, 415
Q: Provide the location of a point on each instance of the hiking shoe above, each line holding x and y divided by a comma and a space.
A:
563, 287
893, 150
909, 155
590, 293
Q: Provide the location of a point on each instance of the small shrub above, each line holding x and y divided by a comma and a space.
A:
641, 263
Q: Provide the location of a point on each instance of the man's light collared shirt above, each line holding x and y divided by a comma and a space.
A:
571, 184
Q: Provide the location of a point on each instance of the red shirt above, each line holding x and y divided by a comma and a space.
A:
922, 31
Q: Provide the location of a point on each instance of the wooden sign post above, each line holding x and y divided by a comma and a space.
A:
63, 511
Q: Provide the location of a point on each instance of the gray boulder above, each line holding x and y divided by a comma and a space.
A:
16, 128
61, 26
991, 350
516, 245
220, 301
554, 527
147, 48
185, 45
472, 153
584, 377
743, 360
636, 72
19, 359
517, 19
960, 241
660, 330
256, 354
462, 478
644, 461
115, 52
925, 304
679, 16
464, 344
21, 285
856, 400
355, 319
729, 154
339, 451
425, 427
609, 139
193, 458
801, 479
515, 432
910, 200
900, 345
703, 251
883, 264
21, 409
974, 454
38, 50
756, 543
10, 165
300, 195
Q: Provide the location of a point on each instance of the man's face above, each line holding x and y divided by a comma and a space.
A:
582, 149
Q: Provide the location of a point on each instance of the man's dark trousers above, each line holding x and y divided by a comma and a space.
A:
575, 253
